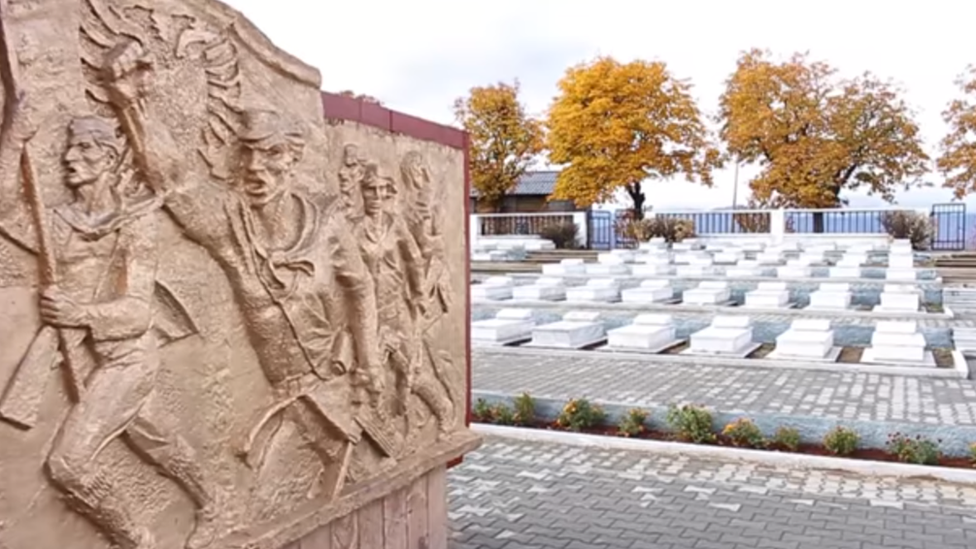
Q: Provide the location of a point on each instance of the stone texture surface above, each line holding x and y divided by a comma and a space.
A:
514, 494
233, 308
412, 517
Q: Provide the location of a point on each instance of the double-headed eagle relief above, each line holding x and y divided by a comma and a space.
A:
239, 314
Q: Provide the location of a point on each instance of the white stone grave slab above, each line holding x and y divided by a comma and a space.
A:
544, 288
687, 246
596, 290
509, 326
898, 342
899, 298
565, 267
494, 288
795, 268
649, 291
494, 256
654, 258
769, 257
653, 245
693, 259
844, 272
726, 336
768, 295
807, 339
728, 256
831, 296
746, 268
650, 269
852, 260
651, 333
900, 261
708, 292
692, 271
576, 330
607, 269
616, 257
901, 275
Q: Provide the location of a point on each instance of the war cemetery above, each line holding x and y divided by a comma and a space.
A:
778, 340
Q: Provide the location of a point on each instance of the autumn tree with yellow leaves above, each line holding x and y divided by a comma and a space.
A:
815, 135
958, 159
504, 139
617, 125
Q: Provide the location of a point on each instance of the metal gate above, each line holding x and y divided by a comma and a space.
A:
949, 222
620, 239
600, 230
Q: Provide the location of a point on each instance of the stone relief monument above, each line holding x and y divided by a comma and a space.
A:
230, 318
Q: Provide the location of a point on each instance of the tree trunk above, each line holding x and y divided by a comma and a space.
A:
818, 222
638, 198
819, 225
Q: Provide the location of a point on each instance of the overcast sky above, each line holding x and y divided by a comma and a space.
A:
417, 56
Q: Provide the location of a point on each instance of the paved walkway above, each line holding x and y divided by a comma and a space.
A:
522, 495
851, 396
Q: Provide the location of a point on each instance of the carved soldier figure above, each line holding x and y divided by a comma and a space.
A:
295, 271
397, 267
350, 177
104, 244
425, 224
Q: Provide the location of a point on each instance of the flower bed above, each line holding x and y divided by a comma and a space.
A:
693, 424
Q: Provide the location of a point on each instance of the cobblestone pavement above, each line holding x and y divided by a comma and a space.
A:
522, 495
840, 395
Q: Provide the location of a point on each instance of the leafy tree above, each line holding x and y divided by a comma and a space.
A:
815, 135
616, 125
504, 139
958, 159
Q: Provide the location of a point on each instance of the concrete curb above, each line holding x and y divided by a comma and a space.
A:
724, 453
953, 440
733, 310
960, 369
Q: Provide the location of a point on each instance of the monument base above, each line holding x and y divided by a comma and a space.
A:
403, 507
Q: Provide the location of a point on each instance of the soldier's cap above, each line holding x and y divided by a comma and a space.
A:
372, 173
104, 131
260, 124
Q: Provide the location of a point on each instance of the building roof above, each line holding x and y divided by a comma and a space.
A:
535, 183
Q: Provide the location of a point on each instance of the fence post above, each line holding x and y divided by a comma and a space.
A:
474, 228
777, 225
580, 219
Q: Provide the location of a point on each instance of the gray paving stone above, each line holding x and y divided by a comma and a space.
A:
684, 503
837, 395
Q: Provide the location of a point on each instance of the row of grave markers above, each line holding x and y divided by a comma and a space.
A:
832, 296
893, 342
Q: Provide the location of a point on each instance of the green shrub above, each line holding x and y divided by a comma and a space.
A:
787, 438
691, 423
524, 410
563, 235
633, 423
917, 227
482, 411
579, 414
841, 441
918, 450
744, 433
